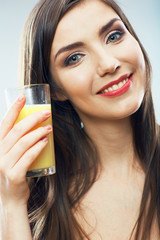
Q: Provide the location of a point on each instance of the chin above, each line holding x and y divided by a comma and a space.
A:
128, 110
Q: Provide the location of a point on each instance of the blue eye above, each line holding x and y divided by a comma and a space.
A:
115, 36
73, 59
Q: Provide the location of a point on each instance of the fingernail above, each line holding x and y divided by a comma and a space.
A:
46, 112
48, 127
45, 139
21, 98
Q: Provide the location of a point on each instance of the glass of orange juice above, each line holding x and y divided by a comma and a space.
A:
37, 99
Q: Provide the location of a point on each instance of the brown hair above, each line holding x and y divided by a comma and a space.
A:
53, 198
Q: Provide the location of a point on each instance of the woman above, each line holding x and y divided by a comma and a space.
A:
106, 137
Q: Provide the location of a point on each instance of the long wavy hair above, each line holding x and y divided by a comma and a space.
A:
54, 198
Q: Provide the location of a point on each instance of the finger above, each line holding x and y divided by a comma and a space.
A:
11, 116
21, 167
23, 127
25, 143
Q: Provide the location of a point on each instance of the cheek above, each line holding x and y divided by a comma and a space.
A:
133, 53
74, 82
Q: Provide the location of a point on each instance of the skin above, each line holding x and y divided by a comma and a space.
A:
99, 63
115, 197
18, 150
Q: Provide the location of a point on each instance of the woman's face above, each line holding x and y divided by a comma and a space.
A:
97, 63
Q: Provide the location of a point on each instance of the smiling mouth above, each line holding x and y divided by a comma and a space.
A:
117, 87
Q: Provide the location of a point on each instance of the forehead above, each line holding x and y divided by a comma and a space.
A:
83, 18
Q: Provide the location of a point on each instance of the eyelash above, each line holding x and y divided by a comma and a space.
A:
117, 32
70, 58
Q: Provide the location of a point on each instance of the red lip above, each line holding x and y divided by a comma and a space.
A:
119, 91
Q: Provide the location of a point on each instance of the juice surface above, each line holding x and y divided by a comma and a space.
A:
46, 158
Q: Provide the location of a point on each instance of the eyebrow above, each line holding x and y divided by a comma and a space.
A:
81, 44
69, 47
108, 25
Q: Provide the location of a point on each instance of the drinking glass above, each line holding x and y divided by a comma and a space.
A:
37, 99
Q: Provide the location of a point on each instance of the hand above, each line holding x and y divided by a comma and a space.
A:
18, 149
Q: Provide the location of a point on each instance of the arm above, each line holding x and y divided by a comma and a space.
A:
19, 147
15, 224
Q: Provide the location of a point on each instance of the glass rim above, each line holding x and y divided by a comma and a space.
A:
27, 86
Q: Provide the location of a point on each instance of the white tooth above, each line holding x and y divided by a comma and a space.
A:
110, 89
120, 84
115, 87
105, 90
124, 81
127, 80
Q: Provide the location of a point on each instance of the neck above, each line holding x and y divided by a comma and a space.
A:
114, 142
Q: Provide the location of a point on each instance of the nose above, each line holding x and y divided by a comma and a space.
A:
107, 64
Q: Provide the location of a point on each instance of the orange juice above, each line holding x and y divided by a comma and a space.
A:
46, 159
